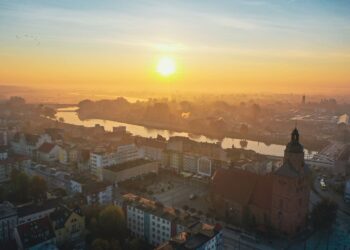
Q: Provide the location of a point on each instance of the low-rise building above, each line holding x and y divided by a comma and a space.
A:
199, 237
68, 154
27, 144
152, 221
48, 152
175, 161
95, 192
8, 221
347, 192
204, 166
35, 235
34, 211
190, 163
68, 225
9, 162
98, 193
121, 151
128, 170
151, 149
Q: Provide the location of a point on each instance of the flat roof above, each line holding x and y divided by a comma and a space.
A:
128, 164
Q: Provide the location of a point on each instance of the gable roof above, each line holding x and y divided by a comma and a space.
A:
234, 184
60, 216
262, 194
243, 187
35, 232
46, 147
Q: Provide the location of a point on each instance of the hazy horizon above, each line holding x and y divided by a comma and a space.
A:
227, 46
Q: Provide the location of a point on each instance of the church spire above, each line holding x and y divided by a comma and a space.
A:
294, 145
295, 136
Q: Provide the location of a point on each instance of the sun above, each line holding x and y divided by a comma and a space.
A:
166, 66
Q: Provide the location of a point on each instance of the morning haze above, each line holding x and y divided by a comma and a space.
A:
174, 125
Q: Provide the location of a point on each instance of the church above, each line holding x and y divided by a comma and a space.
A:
278, 200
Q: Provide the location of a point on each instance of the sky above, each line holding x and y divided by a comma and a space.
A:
217, 46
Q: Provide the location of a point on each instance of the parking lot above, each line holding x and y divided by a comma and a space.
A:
178, 195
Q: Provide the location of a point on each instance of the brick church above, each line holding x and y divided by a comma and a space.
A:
278, 200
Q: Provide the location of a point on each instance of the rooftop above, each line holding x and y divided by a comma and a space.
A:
158, 209
128, 164
46, 147
35, 232
93, 187
31, 208
243, 187
7, 210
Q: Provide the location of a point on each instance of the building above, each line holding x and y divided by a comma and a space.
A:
122, 151
27, 144
8, 221
347, 192
278, 200
9, 162
199, 237
175, 161
190, 163
153, 222
36, 235
3, 137
130, 169
237, 239
343, 120
48, 152
34, 211
204, 166
68, 154
68, 224
98, 193
151, 149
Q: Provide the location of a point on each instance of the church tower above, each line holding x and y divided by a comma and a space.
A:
291, 190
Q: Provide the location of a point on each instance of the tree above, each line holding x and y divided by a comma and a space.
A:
21, 186
134, 244
111, 223
49, 112
38, 188
101, 244
324, 213
16, 101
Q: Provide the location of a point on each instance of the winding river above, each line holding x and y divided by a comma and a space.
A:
70, 116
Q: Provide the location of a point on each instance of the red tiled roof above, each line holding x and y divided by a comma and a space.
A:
46, 147
243, 187
235, 185
262, 195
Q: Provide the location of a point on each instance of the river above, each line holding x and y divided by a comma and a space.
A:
70, 116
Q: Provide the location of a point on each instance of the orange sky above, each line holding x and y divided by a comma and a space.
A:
240, 47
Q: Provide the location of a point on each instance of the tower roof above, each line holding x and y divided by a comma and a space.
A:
294, 145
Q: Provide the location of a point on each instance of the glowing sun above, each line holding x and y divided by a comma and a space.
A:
166, 66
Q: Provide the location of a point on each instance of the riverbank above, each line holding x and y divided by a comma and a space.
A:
276, 150
219, 135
